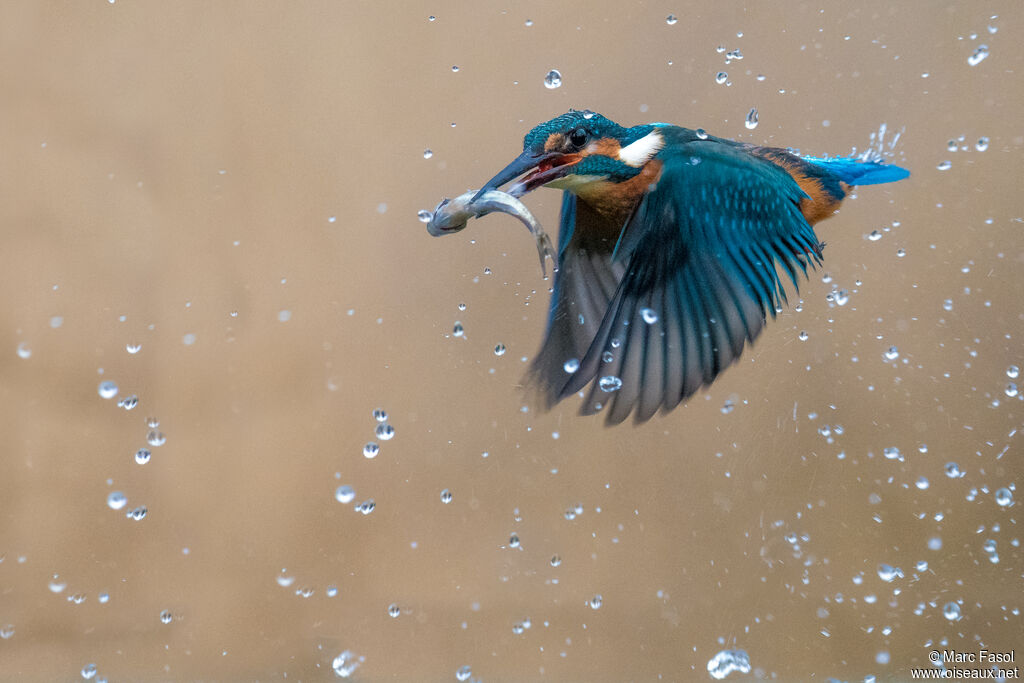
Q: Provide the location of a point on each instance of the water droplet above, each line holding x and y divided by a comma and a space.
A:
528, 22
721, 77
138, 514
888, 573
24, 351
595, 602
458, 330
875, 236
132, 348
344, 494
464, 673
803, 336
7, 631
978, 56
384, 431
423, 215
346, 663
156, 438
513, 541
982, 144
366, 507
108, 389
455, 68
945, 165
371, 449
556, 560
88, 671
671, 20
921, 483
649, 315
953, 470
727, 661
701, 134
553, 79
1011, 389
571, 365
427, 153
166, 617
892, 353
394, 610
57, 585
751, 120
1004, 497
499, 350
892, 453
446, 496
951, 611
609, 383
116, 500
947, 305
142, 456
128, 402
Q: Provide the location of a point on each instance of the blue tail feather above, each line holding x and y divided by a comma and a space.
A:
855, 172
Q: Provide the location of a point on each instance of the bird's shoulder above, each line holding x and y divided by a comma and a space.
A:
691, 158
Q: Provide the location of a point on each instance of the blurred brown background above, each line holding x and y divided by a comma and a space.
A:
246, 177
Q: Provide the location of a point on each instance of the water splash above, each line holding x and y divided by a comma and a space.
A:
727, 661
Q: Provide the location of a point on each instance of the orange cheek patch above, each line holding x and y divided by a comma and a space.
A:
554, 142
607, 147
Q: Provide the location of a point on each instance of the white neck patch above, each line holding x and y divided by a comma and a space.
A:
639, 152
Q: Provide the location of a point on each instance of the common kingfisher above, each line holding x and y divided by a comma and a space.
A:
668, 249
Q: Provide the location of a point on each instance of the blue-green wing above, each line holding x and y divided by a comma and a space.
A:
700, 255
584, 284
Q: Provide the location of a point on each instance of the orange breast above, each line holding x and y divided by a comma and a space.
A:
615, 201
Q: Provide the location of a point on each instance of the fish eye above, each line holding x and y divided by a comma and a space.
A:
578, 137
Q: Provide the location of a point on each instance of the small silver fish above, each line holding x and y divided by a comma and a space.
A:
451, 216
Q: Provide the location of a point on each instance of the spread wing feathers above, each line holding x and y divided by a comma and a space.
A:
700, 255
585, 282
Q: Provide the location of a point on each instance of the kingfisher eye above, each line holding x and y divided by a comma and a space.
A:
578, 137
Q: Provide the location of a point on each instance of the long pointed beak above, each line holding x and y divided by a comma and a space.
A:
524, 162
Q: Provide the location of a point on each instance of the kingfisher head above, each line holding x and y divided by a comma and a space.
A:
577, 151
